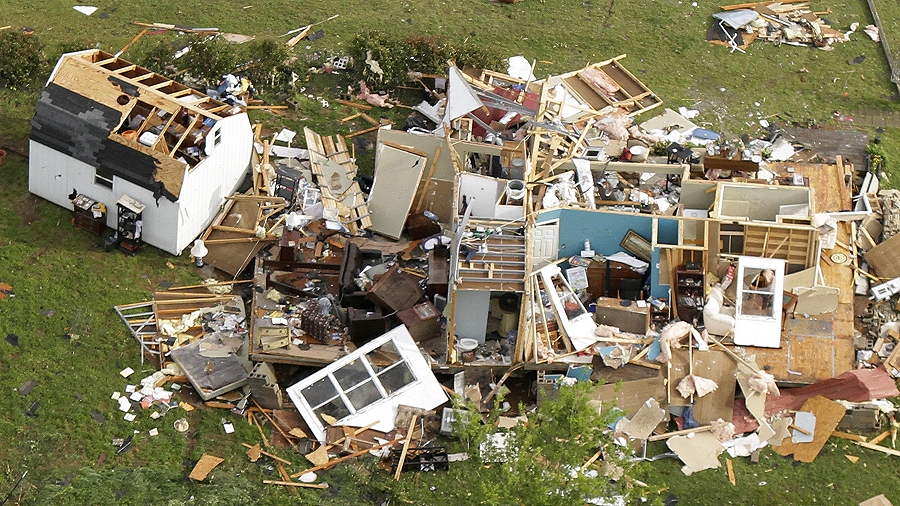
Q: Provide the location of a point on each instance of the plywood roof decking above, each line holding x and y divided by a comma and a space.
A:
81, 73
827, 182
234, 250
818, 347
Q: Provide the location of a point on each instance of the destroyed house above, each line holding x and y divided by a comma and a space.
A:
111, 131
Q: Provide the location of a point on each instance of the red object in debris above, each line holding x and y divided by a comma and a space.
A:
859, 385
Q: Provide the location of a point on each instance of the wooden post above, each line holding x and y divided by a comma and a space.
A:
409, 434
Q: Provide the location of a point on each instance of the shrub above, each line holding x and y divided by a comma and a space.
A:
208, 59
542, 458
22, 60
267, 64
397, 56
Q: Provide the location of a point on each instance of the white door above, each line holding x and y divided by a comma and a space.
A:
760, 296
545, 243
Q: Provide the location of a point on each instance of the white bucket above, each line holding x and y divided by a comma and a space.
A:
515, 189
639, 153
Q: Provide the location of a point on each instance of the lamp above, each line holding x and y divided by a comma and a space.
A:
198, 251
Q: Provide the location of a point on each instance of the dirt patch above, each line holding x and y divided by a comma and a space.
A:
27, 210
12, 145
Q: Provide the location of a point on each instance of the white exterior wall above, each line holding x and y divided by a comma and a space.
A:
52, 175
170, 226
210, 181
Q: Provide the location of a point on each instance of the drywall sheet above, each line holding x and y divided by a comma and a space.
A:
644, 421
762, 202
698, 451
472, 313
397, 175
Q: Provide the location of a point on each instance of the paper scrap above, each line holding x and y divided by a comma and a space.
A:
87, 10
126, 372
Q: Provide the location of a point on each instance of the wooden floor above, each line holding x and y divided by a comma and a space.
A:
818, 347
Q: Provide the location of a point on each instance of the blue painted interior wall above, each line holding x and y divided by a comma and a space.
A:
606, 231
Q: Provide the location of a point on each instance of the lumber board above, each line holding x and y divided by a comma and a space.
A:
323, 149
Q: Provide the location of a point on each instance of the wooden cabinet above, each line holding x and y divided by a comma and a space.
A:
614, 279
630, 318
660, 313
689, 286
90, 215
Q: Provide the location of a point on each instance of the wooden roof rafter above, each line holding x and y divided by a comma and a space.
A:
100, 61
124, 69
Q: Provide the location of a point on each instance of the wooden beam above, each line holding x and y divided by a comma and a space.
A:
296, 484
364, 107
332, 463
267, 454
363, 131
882, 449
409, 436
420, 205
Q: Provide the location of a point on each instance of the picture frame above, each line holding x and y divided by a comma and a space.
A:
635, 244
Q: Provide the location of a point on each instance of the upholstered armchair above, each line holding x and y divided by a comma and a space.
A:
718, 318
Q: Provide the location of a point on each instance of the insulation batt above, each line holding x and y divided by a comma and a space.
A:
669, 337
692, 384
763, 382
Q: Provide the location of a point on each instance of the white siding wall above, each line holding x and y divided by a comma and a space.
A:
170, 226
210, 181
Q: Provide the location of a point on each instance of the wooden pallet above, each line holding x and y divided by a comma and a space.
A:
327, 155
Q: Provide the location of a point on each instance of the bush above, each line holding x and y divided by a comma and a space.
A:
208, 59
264, 61
396, 57
22, 60
541, 460
268, 65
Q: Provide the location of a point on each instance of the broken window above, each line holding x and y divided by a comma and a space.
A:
732, 236
358, 388
103, 177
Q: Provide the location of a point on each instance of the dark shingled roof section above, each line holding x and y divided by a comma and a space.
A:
79, 127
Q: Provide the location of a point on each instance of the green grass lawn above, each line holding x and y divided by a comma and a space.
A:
65, 284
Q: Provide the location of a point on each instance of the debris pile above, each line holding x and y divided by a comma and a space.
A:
518, 221
792, 23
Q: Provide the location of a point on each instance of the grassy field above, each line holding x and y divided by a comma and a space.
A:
71, 342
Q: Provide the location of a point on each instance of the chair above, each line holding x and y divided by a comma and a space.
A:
719, 320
